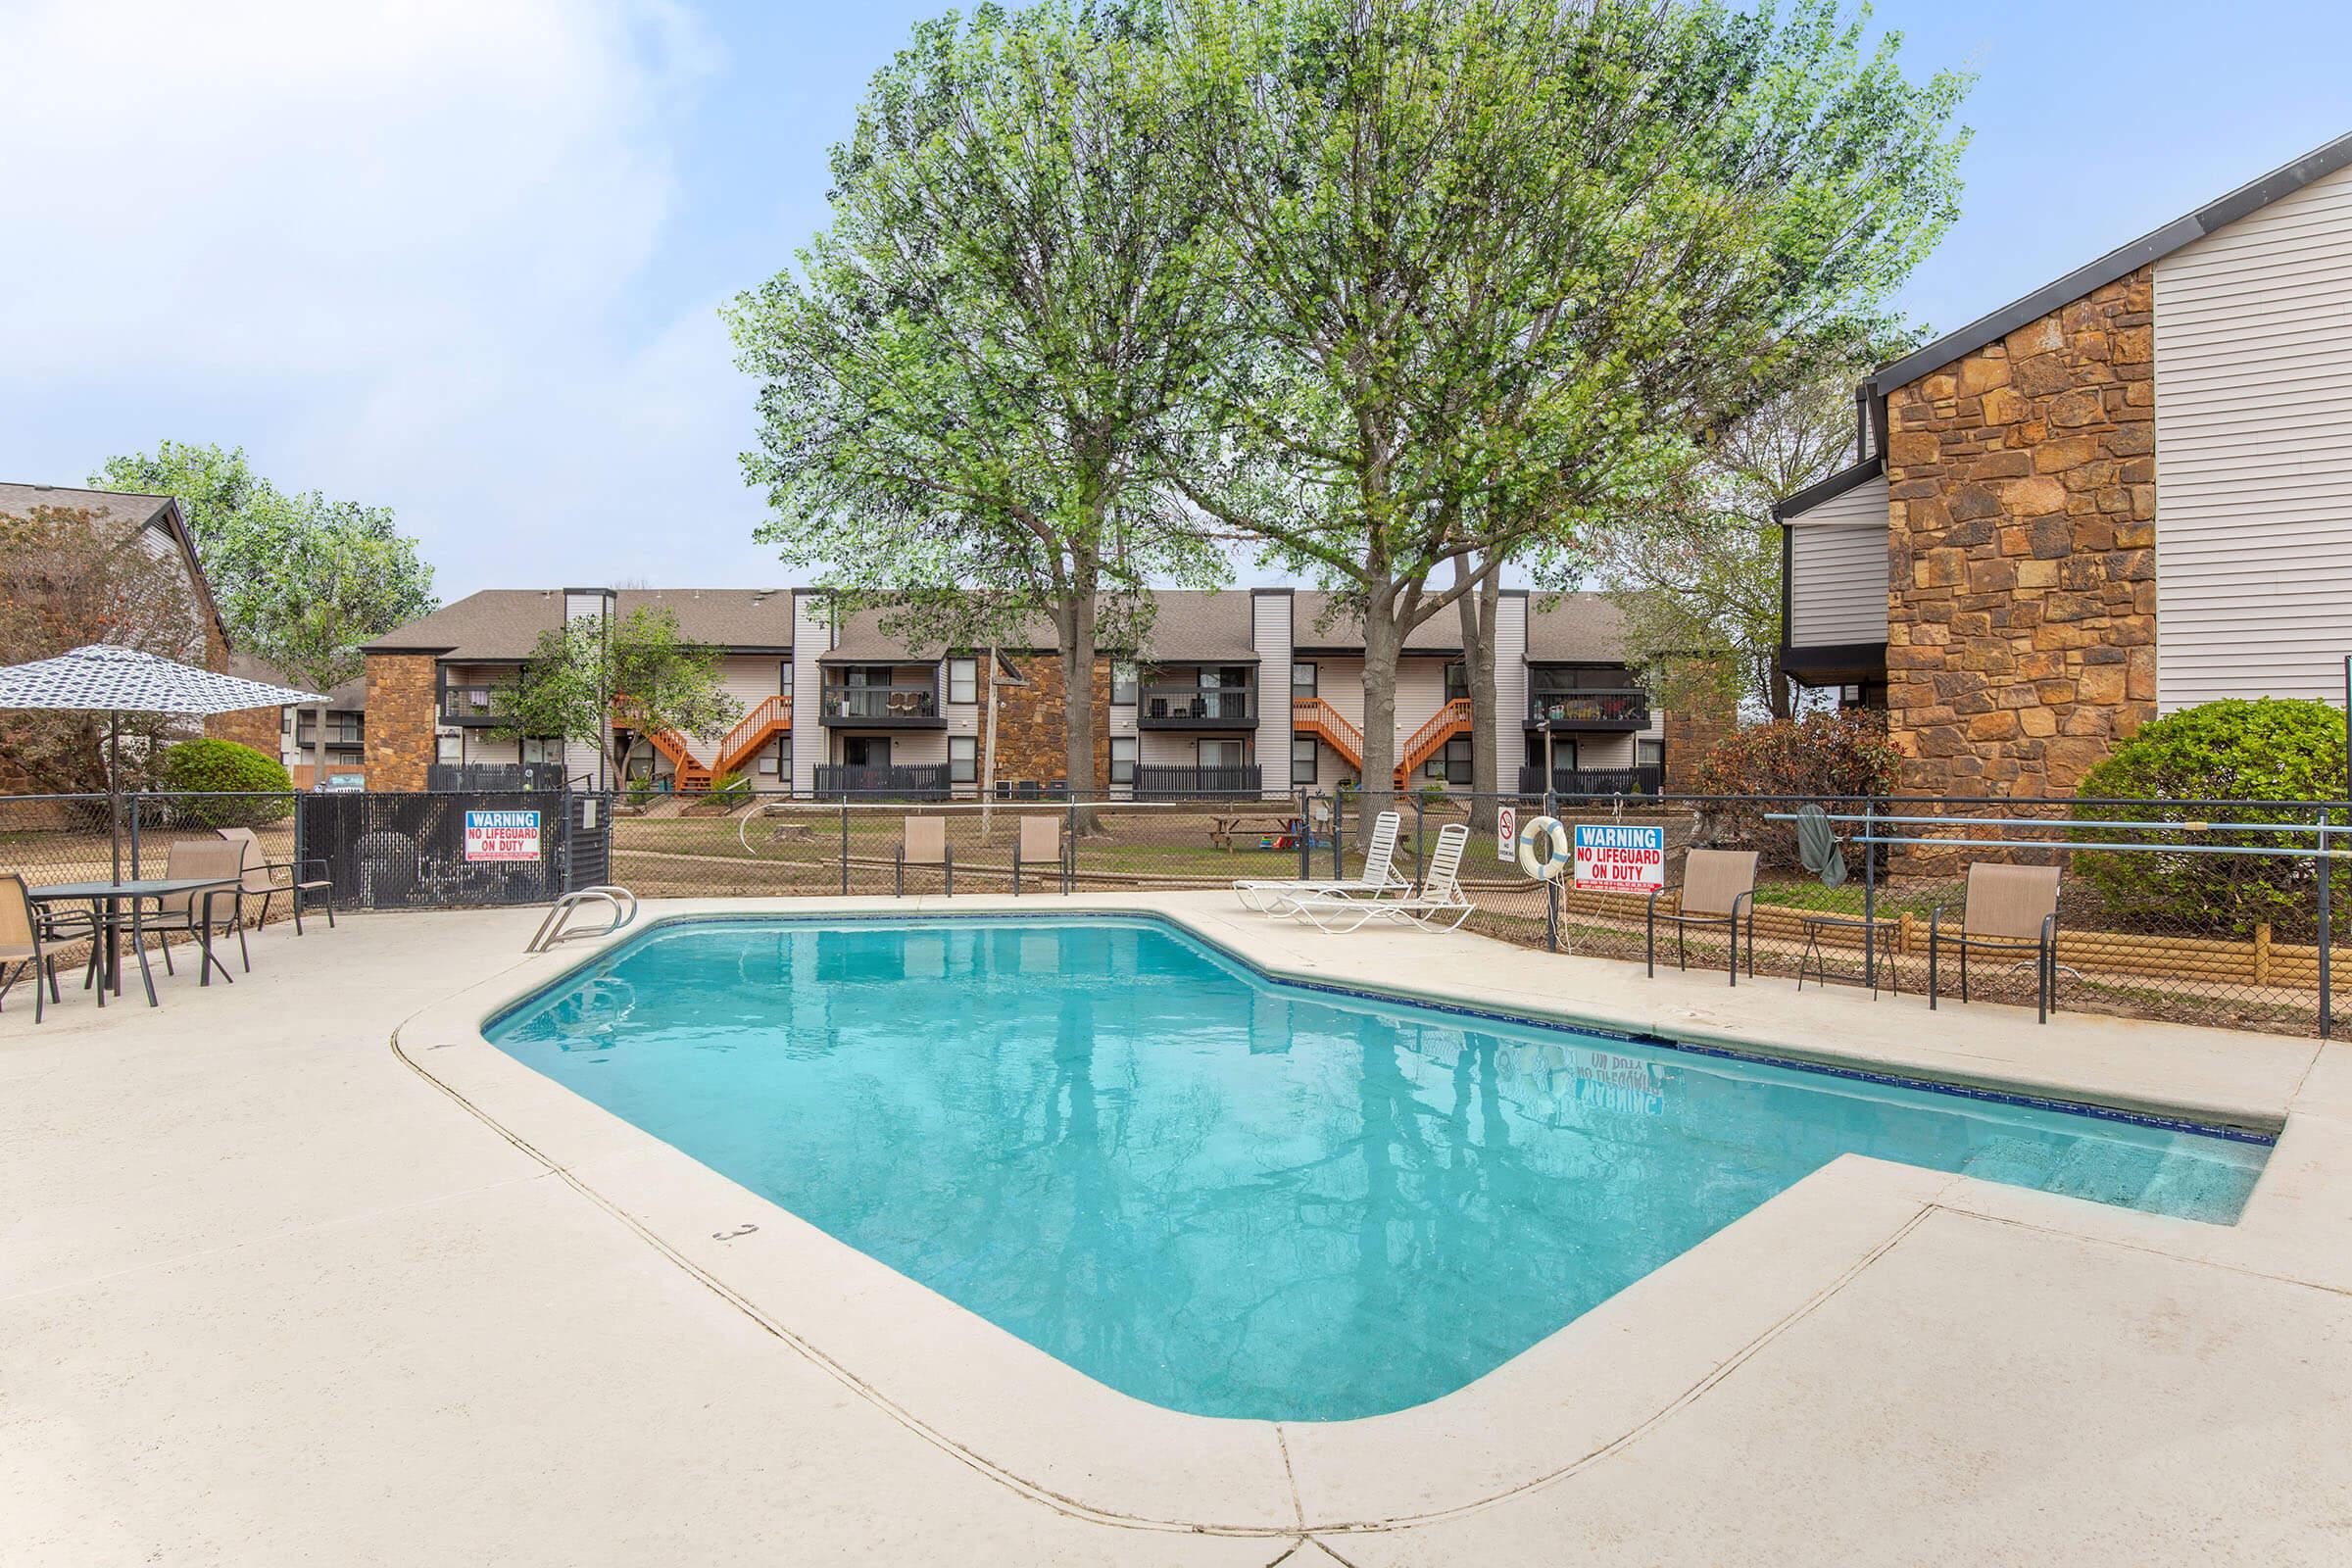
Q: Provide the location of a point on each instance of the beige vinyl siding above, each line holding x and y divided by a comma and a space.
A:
1837, 571
811, 638
1270, 636
1508, 721
2253, 344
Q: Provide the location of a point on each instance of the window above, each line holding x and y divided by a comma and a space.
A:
449, 749
1122, 757
784, 677
1220, 754
1458, 680
963, 757
1302, 758
1123, 683
964, 680
1303, 677
1452, 764
1649, 754
543, 751
286, 720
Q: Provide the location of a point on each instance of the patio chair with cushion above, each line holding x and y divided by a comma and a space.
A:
924, 842
2011, 913
1041, 844
23, 943
260, 878
1719, 889
200, 911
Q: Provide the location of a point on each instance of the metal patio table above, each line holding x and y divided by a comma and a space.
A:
1879, 937
106, 901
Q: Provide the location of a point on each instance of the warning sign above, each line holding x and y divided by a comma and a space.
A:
1506, 833
1611, 857
502, 835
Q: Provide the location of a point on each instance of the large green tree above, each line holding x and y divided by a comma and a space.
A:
301, 581
614, 684
1498, 264
966, 378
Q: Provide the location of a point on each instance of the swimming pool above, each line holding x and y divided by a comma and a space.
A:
1232, 1196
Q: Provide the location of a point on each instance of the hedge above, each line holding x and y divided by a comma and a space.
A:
223, 767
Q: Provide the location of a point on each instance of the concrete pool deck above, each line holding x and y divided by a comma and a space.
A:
274, 1290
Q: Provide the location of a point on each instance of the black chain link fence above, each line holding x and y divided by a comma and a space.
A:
2202, 913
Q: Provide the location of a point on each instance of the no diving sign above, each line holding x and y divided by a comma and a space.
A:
1611, 857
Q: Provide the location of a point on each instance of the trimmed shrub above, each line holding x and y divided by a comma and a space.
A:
2268, 750
1821, 756
211, 766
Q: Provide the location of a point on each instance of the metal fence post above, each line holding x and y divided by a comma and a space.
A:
1552, 885
845, 845
1306, 840
1339, 809
1870, 895
1420, 830
2326, 989
1069, 873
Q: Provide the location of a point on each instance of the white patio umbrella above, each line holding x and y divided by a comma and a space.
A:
101, 678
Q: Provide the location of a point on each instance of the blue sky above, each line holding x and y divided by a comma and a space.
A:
463, 257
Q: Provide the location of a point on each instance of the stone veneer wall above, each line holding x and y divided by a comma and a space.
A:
400, 720
1030, 732
2020, 634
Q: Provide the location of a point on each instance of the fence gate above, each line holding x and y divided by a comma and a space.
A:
588, 853
454, 850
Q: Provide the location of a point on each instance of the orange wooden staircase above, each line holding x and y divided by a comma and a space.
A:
1426, 742
771, 719
1312, 714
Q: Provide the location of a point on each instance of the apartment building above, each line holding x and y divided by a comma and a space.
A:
1241, 691
2126, 492
300, 729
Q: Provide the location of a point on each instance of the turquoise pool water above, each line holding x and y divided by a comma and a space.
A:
1234, 1197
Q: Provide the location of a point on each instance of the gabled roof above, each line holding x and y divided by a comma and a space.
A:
1318, 625
499, 625
1187, 626
1582, 628
1830, 489
132, 511
351, 694
2250, 197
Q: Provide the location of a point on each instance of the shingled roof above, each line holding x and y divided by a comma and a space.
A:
1187, 626
131, 510
504, 623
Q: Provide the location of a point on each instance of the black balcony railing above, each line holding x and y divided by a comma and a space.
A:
1157, 781
1648, 778
913, 781
1624, 709
882, 707
475, 704
1196, 707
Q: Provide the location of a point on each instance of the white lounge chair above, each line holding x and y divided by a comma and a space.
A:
1377, 879
1440, 894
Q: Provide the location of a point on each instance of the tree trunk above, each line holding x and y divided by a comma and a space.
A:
988, 746
1478, 608
1078, 691
1777, 697
1381, 643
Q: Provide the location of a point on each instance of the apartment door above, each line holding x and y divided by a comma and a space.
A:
866, 751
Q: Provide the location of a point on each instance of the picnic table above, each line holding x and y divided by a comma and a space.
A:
1223, 829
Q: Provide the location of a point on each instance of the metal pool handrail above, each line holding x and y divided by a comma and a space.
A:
551, 930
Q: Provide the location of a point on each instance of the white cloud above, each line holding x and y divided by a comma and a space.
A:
387, 247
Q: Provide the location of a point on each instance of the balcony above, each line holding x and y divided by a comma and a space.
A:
924, 781
1155, 781
1644, 779
910, 706
475, 704
1621, 709
1196, 707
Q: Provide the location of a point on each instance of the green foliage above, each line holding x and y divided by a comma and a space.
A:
2265, 751
967, 375
730, 784
1494, 269
300, 580
1827, 756
641, 673
216, 767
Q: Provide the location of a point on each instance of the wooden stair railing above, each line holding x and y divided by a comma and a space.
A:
770, 717
1331, 727
1444, 725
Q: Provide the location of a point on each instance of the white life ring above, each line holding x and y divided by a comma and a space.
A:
1558, 856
